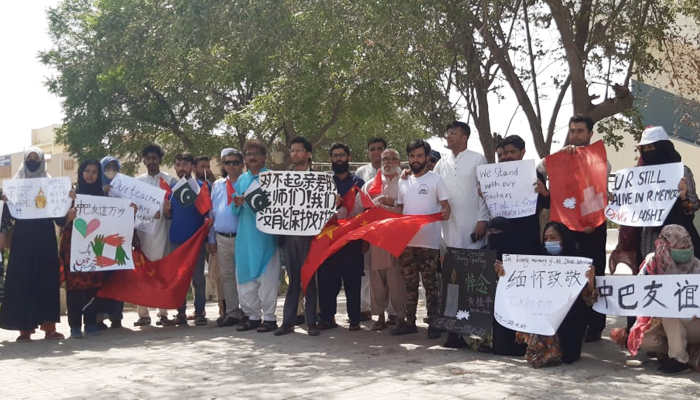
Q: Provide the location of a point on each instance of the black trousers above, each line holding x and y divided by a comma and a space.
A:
593, 246
76, 300
294, 252
345, 268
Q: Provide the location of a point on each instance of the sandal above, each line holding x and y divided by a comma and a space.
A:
248, 326
379, 326
24, 338
53, 335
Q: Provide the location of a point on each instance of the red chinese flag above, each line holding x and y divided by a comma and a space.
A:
383, 228
162, 283
579, 186
164, 185
375, 188
348, 200
230, 191
366, 200
203, 202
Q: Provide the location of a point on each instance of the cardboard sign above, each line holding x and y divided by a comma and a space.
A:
148, 199
469, 287
38, 197
643, 196
294, 202
508, 188
102, 232
537, 292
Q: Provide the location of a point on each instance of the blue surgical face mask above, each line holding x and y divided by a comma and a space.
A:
553, 248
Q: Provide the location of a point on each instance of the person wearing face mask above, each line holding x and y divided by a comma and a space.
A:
668, 337
33, 271
565, 346
110, 168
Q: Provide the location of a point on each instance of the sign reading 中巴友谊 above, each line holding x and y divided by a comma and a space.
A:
643, 196
508, 188
148, 199
300, 203
537, 292
38, 197
469, 287
102, 233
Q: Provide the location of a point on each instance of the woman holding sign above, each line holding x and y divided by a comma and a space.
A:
33, 277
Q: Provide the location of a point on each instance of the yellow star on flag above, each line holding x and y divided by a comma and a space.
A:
327, 231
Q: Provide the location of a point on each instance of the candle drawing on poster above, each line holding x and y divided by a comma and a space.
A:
644, 196
38, 197
294, 202
102, 233
148, 199
537, 292
508, 188
470, 287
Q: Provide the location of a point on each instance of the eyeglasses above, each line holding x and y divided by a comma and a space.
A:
255, 154
232, 162
389, 159
339, 156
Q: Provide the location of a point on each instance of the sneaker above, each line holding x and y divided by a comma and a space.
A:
92, 330
312, 330
228, 321
267, 326
143, 321
200, 320
284, 329
403, 328
76, 333
673, 366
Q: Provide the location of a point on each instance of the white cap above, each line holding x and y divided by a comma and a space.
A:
653, 134
227, 151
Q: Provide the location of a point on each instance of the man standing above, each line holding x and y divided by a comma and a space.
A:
202, 167
185, 221
467, 224
375, 148
423, 193
222, 237
347, 264
155, 245
591, 242
386, 278
433, 159
294, 251
257, 255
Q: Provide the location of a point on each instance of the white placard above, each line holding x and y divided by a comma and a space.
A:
38, 197
102, 232
509, 188
537, 292
148, 199
666, 296
300, 202
643, 196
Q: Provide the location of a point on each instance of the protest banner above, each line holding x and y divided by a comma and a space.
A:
102, 232
509, 188
469, 285
294, 202
665, 296
579, 183
537, 292
38, 197
148, 199
643, 196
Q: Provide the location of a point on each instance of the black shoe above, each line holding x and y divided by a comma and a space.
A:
672, 366
434, 333
404, 329
163, 321
228, 321
248, 326
220, 319
354, 327
365, 316
284, 329
301, 320
391, 320
454, 341
143, 321
180, 319
267, 326
200, 320
101, 325
323, 325
116, 324
313, 330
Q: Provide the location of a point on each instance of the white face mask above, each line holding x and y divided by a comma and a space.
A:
110, 173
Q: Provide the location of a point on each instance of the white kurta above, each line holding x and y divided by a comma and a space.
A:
366, 172
459, 174
156, 245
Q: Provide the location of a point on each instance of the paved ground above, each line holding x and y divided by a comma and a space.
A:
220, 363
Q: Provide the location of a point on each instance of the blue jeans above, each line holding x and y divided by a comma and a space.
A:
198, 282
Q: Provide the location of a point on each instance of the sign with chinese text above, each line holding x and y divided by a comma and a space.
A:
148, 199
102, 232
38, 197
508, 188
537, 292
643, 196
295, 202
469, 287
665, 296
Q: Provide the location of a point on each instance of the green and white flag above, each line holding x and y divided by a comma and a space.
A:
185, 191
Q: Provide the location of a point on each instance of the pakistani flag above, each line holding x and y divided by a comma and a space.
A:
256, 198
185, 191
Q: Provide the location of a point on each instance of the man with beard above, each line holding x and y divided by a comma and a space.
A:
202, 167
423, 193
185, 221
347, 264
155, 245
294, 251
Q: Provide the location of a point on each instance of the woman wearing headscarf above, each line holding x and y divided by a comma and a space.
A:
110, 168
81, 287
33, 276
667, 336
565, 346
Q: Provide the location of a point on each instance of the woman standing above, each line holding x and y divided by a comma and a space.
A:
33, 277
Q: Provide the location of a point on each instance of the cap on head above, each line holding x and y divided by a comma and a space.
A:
653, 134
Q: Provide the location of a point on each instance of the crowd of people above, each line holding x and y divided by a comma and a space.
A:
246, 263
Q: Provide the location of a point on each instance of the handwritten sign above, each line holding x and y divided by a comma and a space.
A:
300, 203
148, 199
508, 188
665, 296
643, 196
537, 292
102, 232
38, 197
470, 289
